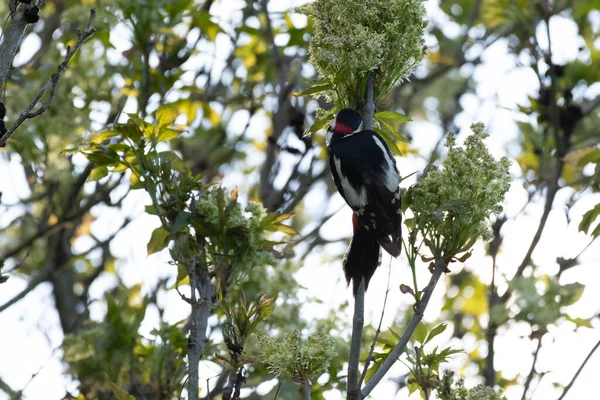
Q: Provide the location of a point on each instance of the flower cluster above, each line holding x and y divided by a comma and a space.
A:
304, 361
353, 38
452, 204
451, 390
234, 235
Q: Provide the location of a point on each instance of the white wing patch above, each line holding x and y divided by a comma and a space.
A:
392, 180
355, 198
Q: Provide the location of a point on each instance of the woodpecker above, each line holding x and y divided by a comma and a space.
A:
365, 173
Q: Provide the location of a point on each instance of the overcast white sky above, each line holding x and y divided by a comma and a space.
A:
31, 330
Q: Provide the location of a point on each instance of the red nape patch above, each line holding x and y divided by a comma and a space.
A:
355, 223
343, 129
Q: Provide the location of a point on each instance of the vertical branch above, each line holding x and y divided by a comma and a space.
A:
532, 370
489, 373
199, 282
145, 89
357, 328
374, 342
306, 388
439, 267
359, 299
369, 107
10, 43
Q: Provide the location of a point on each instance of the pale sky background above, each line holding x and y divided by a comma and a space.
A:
31, 336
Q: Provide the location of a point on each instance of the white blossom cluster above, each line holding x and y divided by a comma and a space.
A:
452, 204
302, 360
234, 232
353, 38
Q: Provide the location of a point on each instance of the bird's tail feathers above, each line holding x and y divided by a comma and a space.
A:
393, 246
362, 257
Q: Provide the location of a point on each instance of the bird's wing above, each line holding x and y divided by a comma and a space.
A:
366, 176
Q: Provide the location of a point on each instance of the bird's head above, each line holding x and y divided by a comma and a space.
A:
346, 122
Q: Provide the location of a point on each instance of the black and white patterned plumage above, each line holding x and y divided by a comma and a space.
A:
365, 173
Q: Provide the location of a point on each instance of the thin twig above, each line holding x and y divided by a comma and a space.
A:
370, 356
277, 391
420, 371
369, 107
532, 370
439, 267
357, 329
568, 387
51, 84
489, 372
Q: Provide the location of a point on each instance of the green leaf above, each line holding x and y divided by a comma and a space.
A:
420, 333
579, 321
589, 218
69, 150
319, 124
412, 387
202, 20
583, 156
181, 220
374, 368
596, 232
125, 148
165, 134
102, 158
391, 132
159, 240
151, 210
391, 143
188, 108
436, 331
203, 227
392, 116
119, 392
102, 136
130, 130
570, 293
166, 115
98, 173
284, 229
317, 88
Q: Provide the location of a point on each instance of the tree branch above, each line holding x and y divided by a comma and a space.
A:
374, 342
532, 370
369, 107
11, 41
51, 84
306, 388
357, 329
568, 387
489, 373
439, 267
199, 282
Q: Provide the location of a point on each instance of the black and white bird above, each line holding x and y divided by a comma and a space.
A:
365, 173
